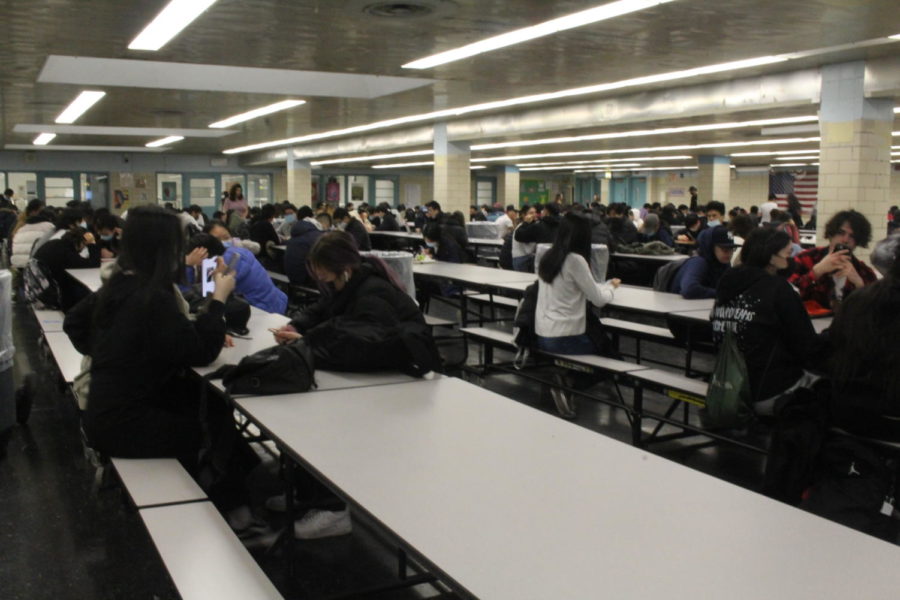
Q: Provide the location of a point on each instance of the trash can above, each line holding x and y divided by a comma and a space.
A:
401, 263
7, 351
599, 259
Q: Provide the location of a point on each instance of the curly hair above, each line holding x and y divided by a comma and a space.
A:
862, 229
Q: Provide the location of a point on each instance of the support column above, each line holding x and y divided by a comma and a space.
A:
508, 186
299, 181
452, 177
855, 150
604, 189
714, 179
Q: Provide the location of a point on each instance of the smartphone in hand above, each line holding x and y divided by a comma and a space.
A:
208, 282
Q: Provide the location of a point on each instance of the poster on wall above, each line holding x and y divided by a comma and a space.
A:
333, 192
120, 200
126, 180
170, 192
413, 194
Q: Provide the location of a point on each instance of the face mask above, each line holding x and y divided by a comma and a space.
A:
713, 223
290, 218
107, 237
431, 245
341, 226
83, 225
227, 243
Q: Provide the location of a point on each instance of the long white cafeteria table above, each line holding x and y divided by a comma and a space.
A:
502, 501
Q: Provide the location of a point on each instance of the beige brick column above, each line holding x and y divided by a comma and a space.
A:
508, 186
714, 179
299, 181
452, 176
855, 150
604, 190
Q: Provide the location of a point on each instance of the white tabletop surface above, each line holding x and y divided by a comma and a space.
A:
67, 358
400, 234
473, 274
642, 299
663, 258
203, 556
152, 481
89, 277
49, 320
259, 338
820, 324
510, 502
486, 241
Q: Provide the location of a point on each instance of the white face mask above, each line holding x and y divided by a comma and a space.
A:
713, 223
341, 226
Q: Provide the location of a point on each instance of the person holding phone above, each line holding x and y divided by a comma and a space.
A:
141, 404
827, 274
252, 279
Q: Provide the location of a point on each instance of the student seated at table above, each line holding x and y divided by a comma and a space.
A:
386, 219
252, 279
828, 274
35, 222
141, 404
345, 222
523, 252
64, 253
699, 275
218, 230
692, 228
108, 230
262, 231
365, 318
304, 235
441, 245
654, 231
542, 230
565, 285
773, 331
621, 228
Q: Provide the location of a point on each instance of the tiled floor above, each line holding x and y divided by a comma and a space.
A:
61, 539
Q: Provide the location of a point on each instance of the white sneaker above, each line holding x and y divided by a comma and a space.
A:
564, 401
323, 523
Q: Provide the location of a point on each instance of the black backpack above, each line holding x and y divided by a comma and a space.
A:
283, 369
524, 336
41, 290
665, 275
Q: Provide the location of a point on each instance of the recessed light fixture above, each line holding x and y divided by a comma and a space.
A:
588, 167
477, 167
177, 15
164, 141
522, 100
584, 17
794, 157
647, 132
620, 170
373, 157
79, 106
895, 37
257, 112
598, 161
43, 139
774, 152
897, 109
790, 165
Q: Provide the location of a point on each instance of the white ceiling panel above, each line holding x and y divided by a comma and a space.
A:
119, 72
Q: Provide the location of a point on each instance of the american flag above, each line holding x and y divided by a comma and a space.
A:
804, 184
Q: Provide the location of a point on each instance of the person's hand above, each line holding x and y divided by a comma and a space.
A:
104, 253
852, 275
225, 283
683, 239
89, 238
530, 217
229, 342
285, 334
615, 282
831, 263
195, 257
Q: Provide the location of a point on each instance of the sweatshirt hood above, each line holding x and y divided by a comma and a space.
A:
305, 226
737, 280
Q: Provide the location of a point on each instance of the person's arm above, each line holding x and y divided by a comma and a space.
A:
666, 238
527, 233
799, 335
692, 276
598, 294
78, 324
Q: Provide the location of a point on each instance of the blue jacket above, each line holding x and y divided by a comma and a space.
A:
254, 283
303, 235
699, 275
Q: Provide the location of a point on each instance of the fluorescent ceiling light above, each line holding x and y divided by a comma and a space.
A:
797, 157
774, 152
647, 132
123, 131
618, 170
790, 165
650, 149
532, 99
584, 17
73, 148
177, 15
401, 165
373, 157
164, 141
257, 112
476, 167
43, 139
598, 161
79, 106
895, 37
590, 167
897, 109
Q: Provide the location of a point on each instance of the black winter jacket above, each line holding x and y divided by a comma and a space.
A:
58, 255
303, 235
368, 325
774, 332
542, 231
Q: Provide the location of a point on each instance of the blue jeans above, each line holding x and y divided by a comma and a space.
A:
567, 344
524, 264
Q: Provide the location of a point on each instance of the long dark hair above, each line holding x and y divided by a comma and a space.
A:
573, 235
151, 259
336, 251
232, 193
761, 245
864, 338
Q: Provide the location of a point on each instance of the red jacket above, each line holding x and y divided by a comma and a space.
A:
822, 289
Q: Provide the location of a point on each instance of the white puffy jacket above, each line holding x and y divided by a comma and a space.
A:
24, 240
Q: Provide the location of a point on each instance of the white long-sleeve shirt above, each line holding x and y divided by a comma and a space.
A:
560, 305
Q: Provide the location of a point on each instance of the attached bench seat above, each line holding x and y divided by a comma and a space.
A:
156, 481
494, 299
433, 321
203, 556
673, 385
638, 331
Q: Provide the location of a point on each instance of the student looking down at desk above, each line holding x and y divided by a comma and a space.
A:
829, 274
365, 320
